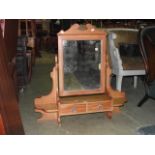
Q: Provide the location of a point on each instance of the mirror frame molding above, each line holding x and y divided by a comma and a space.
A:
82, 32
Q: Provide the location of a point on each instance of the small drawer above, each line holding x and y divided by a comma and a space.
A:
66, 109
99, 107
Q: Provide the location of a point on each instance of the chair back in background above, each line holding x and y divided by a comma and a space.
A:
147, 48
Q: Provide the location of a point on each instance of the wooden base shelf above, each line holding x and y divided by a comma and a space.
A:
84, 104
74, 106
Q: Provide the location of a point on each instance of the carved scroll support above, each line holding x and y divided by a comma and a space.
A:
47, 105
47, 116
119, 98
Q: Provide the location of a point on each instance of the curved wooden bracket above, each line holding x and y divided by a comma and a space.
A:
48, 105
118, 97
47, 116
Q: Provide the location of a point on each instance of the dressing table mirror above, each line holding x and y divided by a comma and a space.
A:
80, 77
81, 62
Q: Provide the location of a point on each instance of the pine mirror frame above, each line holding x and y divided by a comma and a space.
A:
81, 32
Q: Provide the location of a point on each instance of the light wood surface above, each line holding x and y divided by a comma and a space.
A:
9, 106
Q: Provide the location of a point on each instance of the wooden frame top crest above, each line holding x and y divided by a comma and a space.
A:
81, 32
87, 29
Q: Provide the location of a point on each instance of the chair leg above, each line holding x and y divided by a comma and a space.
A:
119, 82
145, 98
135, 81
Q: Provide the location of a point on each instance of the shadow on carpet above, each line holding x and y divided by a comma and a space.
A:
147, 130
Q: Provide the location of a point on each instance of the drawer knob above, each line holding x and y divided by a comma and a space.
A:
100, 107
74, 109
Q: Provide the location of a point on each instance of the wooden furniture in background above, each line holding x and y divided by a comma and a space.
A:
2, 129
146, 42
10, 38
23, 62
80, 99
9, 109
26, 27
25, 54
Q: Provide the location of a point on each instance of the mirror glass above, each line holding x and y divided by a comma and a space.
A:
82, 60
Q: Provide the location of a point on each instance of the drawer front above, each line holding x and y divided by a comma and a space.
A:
100, 107
72, 109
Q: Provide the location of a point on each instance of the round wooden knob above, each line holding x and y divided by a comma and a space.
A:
74, 109
92, 30
100, 107
61, 31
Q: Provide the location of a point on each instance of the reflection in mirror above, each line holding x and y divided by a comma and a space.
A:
82, 60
